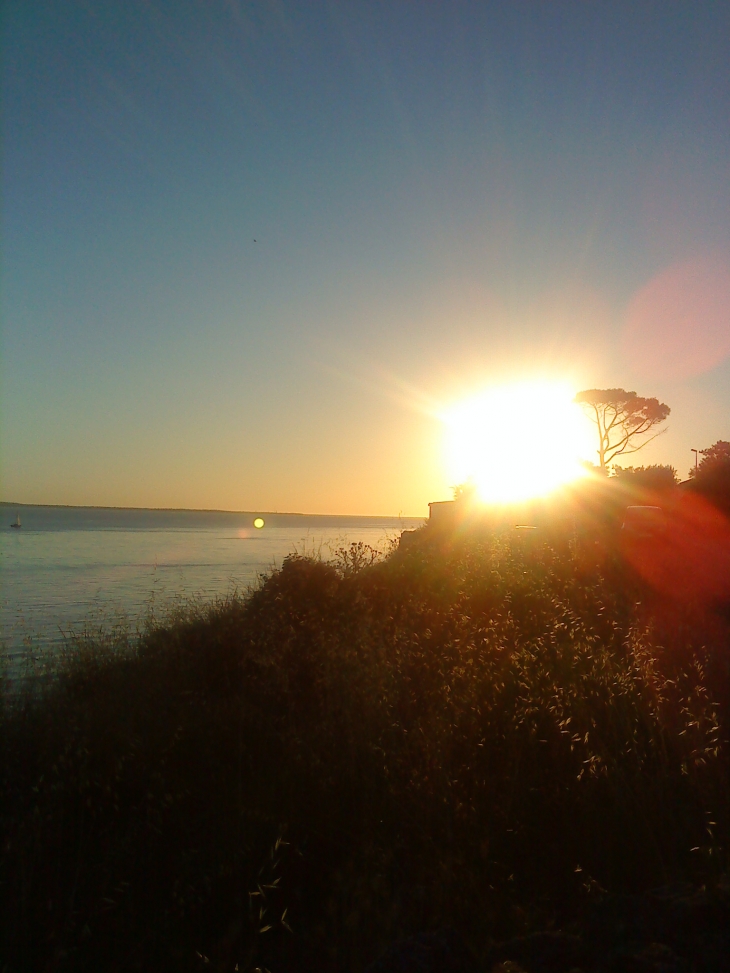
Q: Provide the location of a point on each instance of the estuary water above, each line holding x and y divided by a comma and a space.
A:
67, 569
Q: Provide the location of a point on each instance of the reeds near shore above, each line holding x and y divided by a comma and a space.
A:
482, 733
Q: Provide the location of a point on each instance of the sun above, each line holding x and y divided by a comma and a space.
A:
517, 441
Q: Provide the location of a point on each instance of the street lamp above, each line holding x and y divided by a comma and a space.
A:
696, 452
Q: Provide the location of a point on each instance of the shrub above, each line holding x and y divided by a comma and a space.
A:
470, 732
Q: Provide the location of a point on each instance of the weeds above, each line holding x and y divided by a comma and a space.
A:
470, 733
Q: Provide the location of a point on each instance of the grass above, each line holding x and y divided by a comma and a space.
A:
480, 732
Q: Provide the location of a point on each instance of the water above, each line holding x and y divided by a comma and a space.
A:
71, 568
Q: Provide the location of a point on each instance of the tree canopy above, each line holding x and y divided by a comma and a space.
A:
714, 459
465, 491
658, 476
711, 479
624, 421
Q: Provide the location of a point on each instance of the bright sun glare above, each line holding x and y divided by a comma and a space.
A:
518, 441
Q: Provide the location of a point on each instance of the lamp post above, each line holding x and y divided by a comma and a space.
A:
696, 452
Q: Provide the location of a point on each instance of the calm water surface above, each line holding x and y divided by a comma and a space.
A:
72, 568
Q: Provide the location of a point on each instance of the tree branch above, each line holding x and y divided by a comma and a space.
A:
635, 449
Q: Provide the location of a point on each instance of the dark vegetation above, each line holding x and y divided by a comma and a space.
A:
487, 734
711, 478
655, 477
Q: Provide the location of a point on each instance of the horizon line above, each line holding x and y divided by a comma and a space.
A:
207, 510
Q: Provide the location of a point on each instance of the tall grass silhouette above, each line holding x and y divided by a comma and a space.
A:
480, 732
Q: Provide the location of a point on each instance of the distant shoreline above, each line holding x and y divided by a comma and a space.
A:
209, 510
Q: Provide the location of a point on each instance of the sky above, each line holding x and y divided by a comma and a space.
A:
252, 251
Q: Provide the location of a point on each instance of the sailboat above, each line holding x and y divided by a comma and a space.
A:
17, 522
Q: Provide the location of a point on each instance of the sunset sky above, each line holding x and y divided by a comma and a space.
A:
251, 252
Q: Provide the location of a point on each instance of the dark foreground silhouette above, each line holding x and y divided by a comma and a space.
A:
477, 752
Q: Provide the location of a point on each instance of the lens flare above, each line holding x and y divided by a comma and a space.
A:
258, 523
518, 441
678, 325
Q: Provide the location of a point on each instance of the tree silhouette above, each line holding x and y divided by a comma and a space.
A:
712, 477
622, 419
465, 491
658, 476
714, 458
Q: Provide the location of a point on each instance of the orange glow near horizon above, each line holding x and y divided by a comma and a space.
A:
518, 441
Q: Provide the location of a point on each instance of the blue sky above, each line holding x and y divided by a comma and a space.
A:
442, 195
